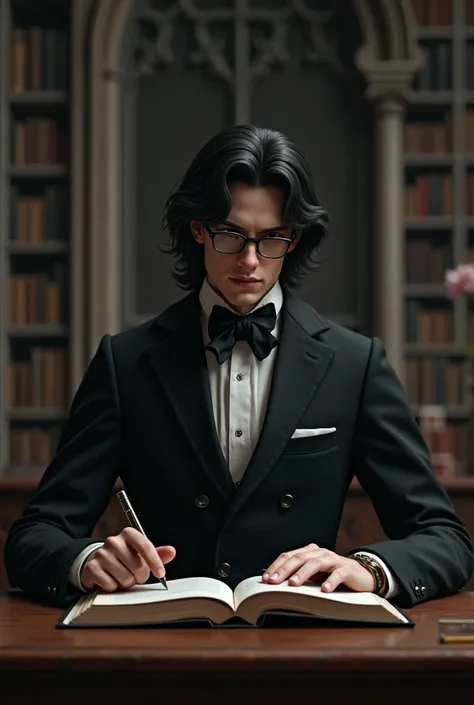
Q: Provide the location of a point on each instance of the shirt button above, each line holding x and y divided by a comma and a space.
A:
239, 377
238, 432
286, 501
202, 501
224, 570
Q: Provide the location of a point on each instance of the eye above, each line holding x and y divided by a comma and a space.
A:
229, 233
275, 234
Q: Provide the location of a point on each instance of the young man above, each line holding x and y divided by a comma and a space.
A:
237, 418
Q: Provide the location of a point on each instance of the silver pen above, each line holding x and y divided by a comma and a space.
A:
133, 520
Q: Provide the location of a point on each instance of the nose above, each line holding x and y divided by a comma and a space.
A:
248, 258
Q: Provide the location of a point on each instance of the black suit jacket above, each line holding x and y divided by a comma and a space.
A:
143, 412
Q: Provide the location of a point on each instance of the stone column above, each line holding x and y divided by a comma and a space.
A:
388, 87
389, 236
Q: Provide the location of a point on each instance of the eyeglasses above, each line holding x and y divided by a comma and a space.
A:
228, 242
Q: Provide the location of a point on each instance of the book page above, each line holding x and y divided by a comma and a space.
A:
182, 589
254, 585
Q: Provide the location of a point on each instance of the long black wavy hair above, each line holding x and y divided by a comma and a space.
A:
256, 156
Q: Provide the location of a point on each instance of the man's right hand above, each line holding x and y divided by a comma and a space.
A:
125, 560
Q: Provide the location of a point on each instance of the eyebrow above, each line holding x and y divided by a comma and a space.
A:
266, 230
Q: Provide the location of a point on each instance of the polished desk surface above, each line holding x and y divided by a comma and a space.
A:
29, 640
357, 665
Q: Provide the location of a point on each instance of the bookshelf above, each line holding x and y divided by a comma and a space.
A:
439, 234
37, 327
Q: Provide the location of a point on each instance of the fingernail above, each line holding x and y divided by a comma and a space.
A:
274, 576
295, 578
265, 576
327, 586
161, 573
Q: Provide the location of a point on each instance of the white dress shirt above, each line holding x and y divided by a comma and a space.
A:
240, 389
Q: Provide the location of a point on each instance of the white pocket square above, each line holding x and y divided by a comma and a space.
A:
306, 432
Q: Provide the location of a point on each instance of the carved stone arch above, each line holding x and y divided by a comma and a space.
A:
388, 57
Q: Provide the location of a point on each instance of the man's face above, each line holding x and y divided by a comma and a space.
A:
244, 278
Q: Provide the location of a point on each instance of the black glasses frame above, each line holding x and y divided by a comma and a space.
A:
246, 240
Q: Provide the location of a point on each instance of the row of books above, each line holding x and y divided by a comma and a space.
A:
426, 261
429, 137
431, 380
470, 66
40, 217
429, 326
470, 193
436, 137
449, 448
38, 298
40, 381
434, 13
38, 59
429, 194
448, 442
437, 71
39, 141
33, 446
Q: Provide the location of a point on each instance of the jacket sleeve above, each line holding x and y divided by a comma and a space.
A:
429, 550
74, 490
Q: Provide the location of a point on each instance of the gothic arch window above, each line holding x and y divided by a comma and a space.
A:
167, 74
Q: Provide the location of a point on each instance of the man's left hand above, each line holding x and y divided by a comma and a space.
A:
310, 561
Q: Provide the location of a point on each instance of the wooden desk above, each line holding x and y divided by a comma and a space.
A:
39, 663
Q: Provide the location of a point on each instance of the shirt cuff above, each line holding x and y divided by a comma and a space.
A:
392, 585
75, 570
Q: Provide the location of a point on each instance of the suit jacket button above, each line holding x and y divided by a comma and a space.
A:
416, 589
286, 501
224, 570
202, 501
423, 590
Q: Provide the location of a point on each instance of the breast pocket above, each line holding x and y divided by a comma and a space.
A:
312, 443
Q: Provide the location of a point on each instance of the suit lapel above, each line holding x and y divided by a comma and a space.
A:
179, 363
301, 364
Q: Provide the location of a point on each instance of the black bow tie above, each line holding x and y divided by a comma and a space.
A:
226, 328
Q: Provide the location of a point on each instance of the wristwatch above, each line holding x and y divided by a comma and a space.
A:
378, 574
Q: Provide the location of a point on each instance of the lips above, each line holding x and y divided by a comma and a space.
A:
245, 280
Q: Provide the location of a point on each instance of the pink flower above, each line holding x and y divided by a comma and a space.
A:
459, 280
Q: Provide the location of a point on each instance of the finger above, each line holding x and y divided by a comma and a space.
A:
283, 557
139, 543
323, 563
166, 553
337, 577
115, 568
116, 546
95, 576
293, 564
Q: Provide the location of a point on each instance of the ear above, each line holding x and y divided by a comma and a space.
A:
296, 240
197, 230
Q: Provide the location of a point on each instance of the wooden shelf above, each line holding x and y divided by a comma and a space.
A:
429, 222
37, 330
426, 290
38, 171
452, 412
37, 248
457, 484
429, 160
35, 413
39, 98
435, 350
26, 479
435, 33
431, 98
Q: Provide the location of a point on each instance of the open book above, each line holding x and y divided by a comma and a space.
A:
211, 600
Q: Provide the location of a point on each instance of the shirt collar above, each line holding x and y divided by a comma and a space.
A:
209, 298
